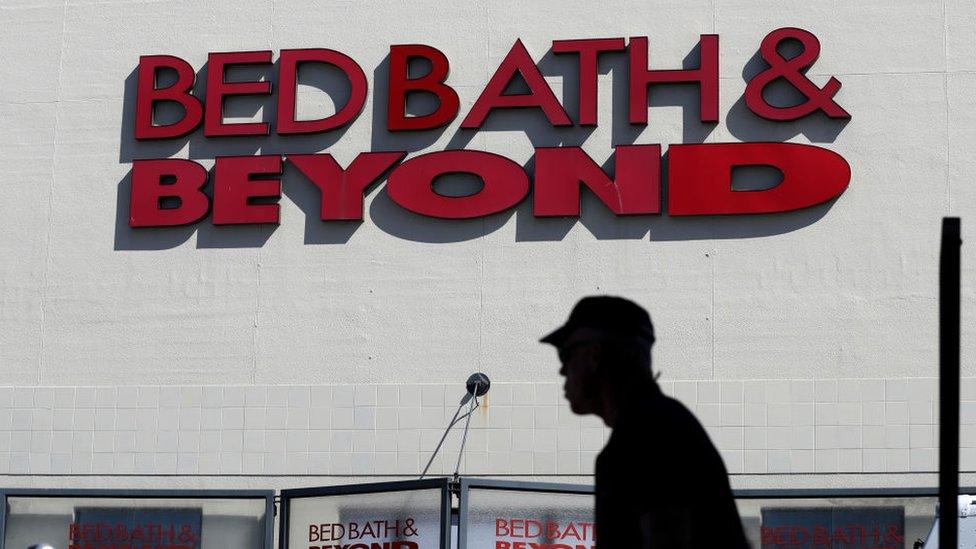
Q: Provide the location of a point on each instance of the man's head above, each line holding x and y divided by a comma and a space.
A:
604, 348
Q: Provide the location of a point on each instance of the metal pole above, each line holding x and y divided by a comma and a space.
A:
439, 444
454, 420
464, 437
949, 301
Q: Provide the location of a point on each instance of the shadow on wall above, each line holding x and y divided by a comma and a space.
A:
398, 222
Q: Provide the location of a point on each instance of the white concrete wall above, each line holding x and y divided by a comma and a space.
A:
761, 426
844, 292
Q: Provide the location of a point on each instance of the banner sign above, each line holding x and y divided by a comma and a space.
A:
143, 519
393, 515
245, 189
833, 528
513, 515
135, 528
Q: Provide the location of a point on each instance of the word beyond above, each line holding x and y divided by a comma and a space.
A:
168, 192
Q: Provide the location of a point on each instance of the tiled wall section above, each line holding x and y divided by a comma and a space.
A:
766, 426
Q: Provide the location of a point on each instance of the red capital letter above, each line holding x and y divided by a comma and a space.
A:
147, 95
636, 189
588, 50
706, 76
433, 82
217, 89
540, 94
342, 190
288, 82
155, 180
700, 177
234, 188
505, 184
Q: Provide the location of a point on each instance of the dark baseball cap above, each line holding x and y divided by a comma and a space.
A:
615, 315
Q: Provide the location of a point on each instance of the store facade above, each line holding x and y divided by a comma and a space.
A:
306, 310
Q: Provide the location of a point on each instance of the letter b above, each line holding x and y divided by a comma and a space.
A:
155, 180
147, 95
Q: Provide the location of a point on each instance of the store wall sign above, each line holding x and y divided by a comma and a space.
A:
385, 534
518, 533
518, 515
168, 192
390, 515
142, 528
880, 527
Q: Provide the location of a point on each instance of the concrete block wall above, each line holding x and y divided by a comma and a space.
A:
761, 427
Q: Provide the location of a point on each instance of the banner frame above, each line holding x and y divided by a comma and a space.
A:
513, 485
443, 483
267, 495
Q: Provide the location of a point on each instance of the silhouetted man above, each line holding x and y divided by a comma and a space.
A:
659, 480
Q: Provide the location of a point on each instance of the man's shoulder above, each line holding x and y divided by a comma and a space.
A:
666, 429
660, 412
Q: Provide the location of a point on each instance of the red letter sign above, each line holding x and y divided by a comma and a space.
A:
588, 51
700, 177
217, 89
147, 95
288, 82
540, 94
342, 190
234, 189
636, 189
505, 184
706, 75
433, 82
793, 70
155, 180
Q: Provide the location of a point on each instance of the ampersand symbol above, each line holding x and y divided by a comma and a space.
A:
408, 528
186, 534
792, 70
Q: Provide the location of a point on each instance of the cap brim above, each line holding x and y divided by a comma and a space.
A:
558, 336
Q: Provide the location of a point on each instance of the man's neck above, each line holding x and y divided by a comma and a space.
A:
617, 401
